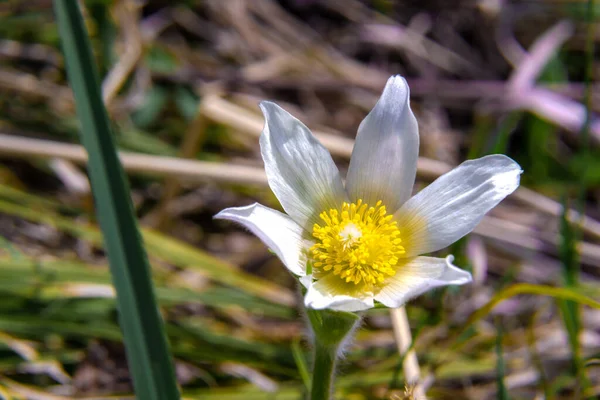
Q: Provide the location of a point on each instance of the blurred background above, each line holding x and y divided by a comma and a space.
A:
182, 80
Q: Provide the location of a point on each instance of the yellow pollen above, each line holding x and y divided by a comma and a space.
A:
358, 243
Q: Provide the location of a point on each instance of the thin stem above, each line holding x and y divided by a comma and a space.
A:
324, 366
410, 364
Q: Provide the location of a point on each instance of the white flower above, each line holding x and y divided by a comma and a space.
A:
363, 241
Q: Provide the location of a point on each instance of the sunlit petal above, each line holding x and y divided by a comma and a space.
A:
384, 159
453, 205
278, 231
333, 293
418, 275
300, 170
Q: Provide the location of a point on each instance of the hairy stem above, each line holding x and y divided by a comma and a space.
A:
331, 329
323, 370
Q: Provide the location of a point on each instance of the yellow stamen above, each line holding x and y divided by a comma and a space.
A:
358, 243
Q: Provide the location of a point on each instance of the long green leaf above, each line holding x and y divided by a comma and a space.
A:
146, 345
570, 233
571, 311
501, 393
526, 288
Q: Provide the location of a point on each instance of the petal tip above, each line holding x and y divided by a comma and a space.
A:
221, 214
396, 87
265, 105
397, 80
231, 212
455, 275
272, 110
507, 172
507, 162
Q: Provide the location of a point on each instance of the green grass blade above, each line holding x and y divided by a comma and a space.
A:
543, 383
526, 288
570, 234
505, 129
301, 363
146, 346
159, 246
502, 393
570, 310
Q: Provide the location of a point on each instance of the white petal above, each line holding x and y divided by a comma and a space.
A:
329, 292
300, 170
454, 204
384, 159
306, 280
419, 275
278, 231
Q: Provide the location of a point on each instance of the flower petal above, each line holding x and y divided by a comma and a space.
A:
278, 231
306, 280
419, 275
300, 170
384, 159
331, 292
454, 204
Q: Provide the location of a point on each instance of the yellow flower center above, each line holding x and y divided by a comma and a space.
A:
358, 243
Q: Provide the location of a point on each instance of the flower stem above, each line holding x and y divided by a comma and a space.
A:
324, 366
330, 328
